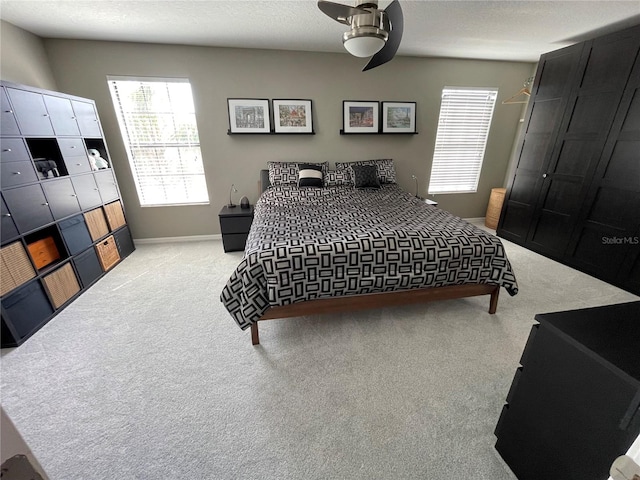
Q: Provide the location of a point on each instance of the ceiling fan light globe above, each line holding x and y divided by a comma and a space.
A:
364, 41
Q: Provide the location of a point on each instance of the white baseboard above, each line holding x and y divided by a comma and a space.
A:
190, 238
217, 236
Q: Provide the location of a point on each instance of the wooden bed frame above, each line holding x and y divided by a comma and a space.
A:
371, 300
377, 300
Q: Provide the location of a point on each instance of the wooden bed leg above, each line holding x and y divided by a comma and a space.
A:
255, 339
493, 303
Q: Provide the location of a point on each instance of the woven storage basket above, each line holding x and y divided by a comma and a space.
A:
15, 267
494, 208
108, 252
61, 285
115, 215
96, 223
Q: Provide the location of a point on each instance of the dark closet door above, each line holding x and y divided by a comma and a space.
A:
8, 123
87, 119
87, 191
106, 185
549, 97
604, 69
607, 241
28, 206
62, 116
31, 113
8, 230
61, 197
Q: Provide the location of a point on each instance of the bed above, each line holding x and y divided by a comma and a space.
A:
337, 247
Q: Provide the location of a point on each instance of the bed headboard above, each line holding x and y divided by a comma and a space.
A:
264, 180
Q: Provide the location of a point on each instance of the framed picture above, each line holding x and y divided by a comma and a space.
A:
292, 116
398, 117
249, 115
360, 117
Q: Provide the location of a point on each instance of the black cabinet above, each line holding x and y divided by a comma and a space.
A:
8, 122
87, 191
107, 186
13, 150
17, 173
235, 224
577, 180
61, 115
75, 155
87, 118
28, 206
61, 197
8, 228
574, 405
52, 195
30, 112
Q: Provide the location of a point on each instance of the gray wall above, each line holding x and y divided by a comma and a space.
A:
23, 58
81, 67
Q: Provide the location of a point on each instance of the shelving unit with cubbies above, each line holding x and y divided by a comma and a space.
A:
63, 222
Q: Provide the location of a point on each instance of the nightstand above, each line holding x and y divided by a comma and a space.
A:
235, 224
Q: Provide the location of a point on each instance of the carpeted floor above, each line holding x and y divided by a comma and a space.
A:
146, 376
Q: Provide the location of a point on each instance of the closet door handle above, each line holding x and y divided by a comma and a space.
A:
544, 175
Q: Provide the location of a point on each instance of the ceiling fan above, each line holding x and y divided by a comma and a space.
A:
374, 33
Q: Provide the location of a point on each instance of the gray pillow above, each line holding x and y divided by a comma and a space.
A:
365, 176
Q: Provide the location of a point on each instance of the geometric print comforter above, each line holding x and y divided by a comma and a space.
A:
310, 243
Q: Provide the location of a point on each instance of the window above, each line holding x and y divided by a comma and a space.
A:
463, 128
158, 125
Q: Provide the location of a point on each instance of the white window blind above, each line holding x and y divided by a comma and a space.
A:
463, 128
158, 125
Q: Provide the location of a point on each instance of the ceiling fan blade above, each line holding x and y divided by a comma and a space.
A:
394, 14
339, 12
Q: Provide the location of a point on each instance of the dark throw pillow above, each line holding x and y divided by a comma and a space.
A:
365, 176
310, 175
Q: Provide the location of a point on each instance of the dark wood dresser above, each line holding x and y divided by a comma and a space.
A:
574, 404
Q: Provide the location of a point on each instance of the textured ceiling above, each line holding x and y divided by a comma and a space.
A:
498, 30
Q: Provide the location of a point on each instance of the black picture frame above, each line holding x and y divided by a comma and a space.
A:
249, 115
398, 117
360, 116
292, 116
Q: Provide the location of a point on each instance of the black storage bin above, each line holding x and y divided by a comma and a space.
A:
88, 267
124, 242
75, 233
25, 310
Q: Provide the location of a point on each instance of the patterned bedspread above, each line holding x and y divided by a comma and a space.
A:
313, 243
